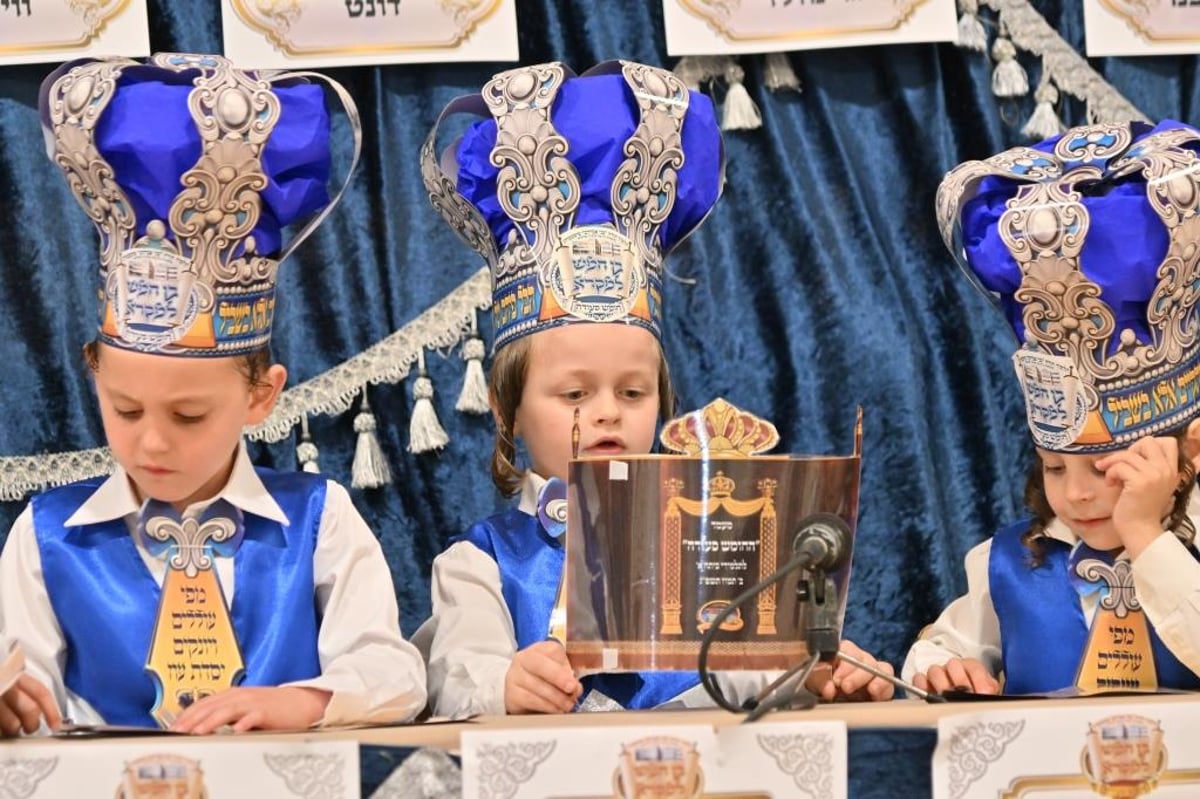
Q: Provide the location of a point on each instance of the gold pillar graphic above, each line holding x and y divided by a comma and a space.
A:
767, 535
672, 532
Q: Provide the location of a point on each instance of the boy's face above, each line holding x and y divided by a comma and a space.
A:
1081, 496
174, 424
609, 372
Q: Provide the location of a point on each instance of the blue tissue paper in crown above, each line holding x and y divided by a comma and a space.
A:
575, 188
190, 169
1090, 243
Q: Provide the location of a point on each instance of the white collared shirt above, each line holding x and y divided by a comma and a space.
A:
374, 675
1166, 578
469, 641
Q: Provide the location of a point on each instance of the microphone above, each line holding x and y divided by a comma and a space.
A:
822, 544
822, 538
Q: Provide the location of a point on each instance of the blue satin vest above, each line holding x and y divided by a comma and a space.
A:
531, 564
106, 601
1043, 633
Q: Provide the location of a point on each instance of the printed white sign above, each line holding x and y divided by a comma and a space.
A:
749, 761
1057, 752
177, 767
704, 27
310, 33
36, 31
1141, 27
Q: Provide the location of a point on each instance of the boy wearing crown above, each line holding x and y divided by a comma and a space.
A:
573, 189
190, 590
1089, 241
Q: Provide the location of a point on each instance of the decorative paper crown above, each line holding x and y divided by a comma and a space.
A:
190, 168
1092, 243
576, 189
720, 430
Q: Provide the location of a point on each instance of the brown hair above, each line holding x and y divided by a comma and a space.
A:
252, 365
506, 385
1035, 499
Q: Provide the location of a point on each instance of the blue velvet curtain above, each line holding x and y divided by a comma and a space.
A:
820, 284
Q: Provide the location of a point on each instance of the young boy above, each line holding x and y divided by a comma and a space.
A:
1088, 240
573, 192
190, 590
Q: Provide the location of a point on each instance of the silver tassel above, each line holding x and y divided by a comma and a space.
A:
306, 450
778, 73
370, 469
474, 395
971, 34
740, 112
691, 71
425, 432
1044, 123
1008, 78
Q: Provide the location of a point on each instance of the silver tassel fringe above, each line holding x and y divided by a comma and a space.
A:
425, 432
740, 112
1044, 123
370, 469
1008, 78
690, 70
474, 395
971, 34
306, 450
778, 73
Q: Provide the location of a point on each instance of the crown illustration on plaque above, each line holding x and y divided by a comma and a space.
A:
1125, 756
1091, 244
575, 188
659, 766
719, 430
159, 775
190, 169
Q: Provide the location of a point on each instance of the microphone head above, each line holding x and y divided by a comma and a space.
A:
824, 538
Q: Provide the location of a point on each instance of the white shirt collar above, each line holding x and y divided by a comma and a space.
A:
115, 499
1058, 530
531, 487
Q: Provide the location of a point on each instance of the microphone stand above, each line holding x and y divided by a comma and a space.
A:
820, 546
817, 595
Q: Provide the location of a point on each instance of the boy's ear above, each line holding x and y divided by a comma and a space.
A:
265, 392
1191, 442
497, 419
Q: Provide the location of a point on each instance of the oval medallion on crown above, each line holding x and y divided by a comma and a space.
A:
596, 275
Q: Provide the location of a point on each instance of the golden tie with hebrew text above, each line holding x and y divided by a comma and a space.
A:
1119, 655
193, 652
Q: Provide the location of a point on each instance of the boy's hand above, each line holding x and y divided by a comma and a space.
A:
280, 708
955, 673
24, 705
847, 682
1148, 472
540, 680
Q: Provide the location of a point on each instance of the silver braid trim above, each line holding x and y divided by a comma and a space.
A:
1030, 31
388, 361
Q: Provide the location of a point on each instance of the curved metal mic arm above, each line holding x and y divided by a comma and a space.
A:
821, 545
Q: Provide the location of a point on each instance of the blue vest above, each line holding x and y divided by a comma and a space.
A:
1043, 633
531, 565
106, 601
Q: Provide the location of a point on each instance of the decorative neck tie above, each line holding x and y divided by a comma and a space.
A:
193, 652
552, 516
552, 507
1119, 654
